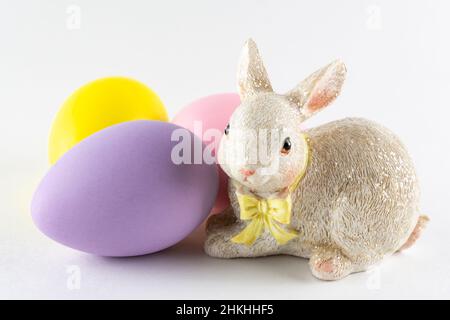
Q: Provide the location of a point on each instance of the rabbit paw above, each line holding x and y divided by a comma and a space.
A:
330, 265
217, 245
219, 221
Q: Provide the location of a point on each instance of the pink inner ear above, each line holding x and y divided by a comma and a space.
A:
320, 99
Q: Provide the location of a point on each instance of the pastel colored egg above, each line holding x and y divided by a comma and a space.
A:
211, 112
120, 193
100, 104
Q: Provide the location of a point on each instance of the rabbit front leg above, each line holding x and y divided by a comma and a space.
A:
219, 221
221, 228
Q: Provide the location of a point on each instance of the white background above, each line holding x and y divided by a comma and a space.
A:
397, 55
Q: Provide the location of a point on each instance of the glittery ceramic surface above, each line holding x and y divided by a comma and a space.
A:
358, 200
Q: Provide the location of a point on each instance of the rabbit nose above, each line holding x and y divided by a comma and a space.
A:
247, 172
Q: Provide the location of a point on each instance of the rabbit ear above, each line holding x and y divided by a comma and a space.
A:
252, 76
319, 89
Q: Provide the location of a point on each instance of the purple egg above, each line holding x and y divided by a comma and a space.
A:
118, 192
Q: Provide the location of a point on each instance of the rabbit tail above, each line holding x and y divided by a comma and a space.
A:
416, 233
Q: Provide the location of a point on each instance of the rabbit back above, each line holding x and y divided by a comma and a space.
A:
360, 191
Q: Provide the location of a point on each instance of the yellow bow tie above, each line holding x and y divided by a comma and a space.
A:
265, 214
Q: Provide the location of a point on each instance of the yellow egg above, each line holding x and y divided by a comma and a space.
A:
100, 104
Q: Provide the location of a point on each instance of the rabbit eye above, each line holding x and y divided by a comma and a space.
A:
286, 146
227, 129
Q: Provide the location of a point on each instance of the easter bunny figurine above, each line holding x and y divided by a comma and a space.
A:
344, 194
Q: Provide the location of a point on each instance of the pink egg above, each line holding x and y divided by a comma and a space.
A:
211, 112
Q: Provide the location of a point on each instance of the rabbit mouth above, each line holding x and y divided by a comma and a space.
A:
255, 181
